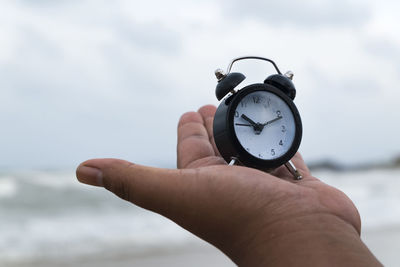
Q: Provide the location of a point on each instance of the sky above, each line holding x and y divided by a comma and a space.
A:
94, 78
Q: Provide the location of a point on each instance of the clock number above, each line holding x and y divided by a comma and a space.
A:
278, 113
236, 114
243, 104
283, 129
281, 143
256, 99
273, 152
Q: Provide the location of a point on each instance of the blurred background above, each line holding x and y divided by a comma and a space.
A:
86, 79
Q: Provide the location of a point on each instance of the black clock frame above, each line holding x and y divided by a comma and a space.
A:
225, 137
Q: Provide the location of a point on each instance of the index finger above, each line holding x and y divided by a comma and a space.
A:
193, 140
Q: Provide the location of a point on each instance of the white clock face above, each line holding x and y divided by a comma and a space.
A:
264, 125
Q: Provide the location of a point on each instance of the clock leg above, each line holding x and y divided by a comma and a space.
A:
233, 161
292, 169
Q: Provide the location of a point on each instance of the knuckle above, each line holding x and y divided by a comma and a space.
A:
119, 188
119, 183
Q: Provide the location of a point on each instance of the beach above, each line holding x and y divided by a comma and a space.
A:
197, 254
384, 243
49, 219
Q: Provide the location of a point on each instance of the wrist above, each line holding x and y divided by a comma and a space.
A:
309, 240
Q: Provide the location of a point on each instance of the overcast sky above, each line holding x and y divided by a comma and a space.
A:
84, 79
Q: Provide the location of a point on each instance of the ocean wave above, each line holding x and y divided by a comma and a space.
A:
376, 194
51, 179
8, 187
51, 215
77, 235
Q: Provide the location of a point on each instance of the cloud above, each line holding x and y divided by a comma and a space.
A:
151, 36
73, 86
385, 49
92, 78
308, 13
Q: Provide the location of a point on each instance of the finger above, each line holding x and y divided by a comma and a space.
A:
208, 112
151, 188
193, 140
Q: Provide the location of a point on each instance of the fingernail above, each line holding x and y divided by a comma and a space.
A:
89, 175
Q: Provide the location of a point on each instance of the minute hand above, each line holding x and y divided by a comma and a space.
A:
271, 121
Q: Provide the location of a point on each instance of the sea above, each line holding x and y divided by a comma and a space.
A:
48, 215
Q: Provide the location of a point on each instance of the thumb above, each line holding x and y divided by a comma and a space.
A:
209, 202
159, 190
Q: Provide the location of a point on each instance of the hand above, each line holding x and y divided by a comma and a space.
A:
271, 121
255, 218
249, 120
258, 124
258, 127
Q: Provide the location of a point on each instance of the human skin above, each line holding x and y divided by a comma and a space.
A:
255, 218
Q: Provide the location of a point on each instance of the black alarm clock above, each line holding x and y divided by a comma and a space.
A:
258, 125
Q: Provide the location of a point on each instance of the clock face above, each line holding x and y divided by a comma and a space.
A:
264, 125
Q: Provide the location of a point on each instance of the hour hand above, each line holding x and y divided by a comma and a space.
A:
249, 120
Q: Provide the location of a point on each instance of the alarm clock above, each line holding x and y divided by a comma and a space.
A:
257, 126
